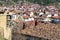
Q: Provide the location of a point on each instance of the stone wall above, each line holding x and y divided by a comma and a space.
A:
1, 32
4, 30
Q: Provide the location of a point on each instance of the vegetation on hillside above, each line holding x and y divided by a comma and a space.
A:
43, 2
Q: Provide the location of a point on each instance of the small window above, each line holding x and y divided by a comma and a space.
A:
9, 17
1, 12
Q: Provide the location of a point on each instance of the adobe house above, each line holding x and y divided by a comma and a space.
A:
6, 31
6, 26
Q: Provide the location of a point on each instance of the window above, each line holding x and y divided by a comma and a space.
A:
9, 17
1, 12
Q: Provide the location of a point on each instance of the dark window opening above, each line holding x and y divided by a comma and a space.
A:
1, 12
9, 17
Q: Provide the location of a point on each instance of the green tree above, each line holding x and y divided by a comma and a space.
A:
43, 2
